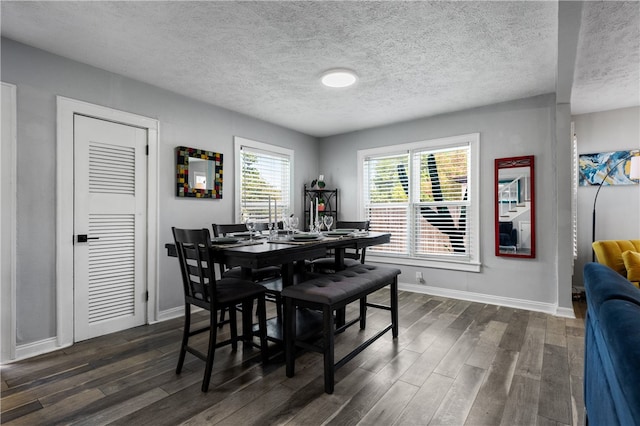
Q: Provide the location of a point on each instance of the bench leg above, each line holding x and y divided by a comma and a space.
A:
394, 307
328, 346
363, 313
289, 336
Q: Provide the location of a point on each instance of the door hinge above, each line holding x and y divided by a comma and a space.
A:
147, 149
146, 296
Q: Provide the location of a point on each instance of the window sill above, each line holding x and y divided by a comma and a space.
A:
437, 264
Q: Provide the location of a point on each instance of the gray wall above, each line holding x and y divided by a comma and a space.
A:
41, 76
523, 127
618, 207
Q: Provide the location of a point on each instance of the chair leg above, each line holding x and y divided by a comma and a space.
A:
262, 329
222, 317
394, 307
279, 307
363, 313
289, 336
185, 337
328, 346
233, 328
210, 352
247, 322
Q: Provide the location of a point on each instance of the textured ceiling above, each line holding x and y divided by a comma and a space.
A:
264, 59
607, 74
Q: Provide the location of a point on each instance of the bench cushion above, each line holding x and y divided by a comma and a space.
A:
343, 285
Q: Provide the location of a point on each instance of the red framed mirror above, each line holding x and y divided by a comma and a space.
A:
515, 219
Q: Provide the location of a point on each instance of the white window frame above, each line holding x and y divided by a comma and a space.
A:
239, 142
472, 263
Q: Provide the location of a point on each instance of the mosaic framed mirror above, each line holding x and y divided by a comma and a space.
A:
198, 173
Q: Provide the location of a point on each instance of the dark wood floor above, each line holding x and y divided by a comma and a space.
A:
454, 363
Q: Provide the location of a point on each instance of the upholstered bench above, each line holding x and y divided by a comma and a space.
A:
332, 292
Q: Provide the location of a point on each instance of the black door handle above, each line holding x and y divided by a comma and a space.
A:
83, 238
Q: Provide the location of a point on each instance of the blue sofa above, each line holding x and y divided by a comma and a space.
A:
612, 348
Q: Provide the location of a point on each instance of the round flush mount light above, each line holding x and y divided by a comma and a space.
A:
339, 78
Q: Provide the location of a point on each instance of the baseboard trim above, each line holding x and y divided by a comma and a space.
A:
169, 314
547, 308
565, 312
40, 347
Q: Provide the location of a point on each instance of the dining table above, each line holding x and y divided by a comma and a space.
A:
290, 254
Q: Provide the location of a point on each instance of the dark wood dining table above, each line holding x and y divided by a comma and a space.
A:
285, 253
290, 256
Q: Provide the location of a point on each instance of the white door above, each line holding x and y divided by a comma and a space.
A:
110, 199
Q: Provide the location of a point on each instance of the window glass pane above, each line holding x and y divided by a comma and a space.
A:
441, 230
387, 179
443, 174
390, 218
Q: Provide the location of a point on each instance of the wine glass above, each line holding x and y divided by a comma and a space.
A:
293, 223
251, 226
328, 221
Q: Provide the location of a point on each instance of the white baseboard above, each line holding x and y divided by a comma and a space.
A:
565, 312
170, 313
176, 312
548, 308
40, 347
50, 344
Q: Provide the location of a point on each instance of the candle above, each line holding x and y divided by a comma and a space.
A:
275, 213
316, 208
311, 215
269, 208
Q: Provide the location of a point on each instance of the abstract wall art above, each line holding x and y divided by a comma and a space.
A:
594, 167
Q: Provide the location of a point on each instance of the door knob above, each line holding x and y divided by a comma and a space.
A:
83, 238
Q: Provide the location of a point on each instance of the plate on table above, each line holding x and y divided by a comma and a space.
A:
339, 232
243, 234
224, 240
305, 237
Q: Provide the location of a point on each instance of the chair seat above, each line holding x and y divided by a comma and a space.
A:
230, 290
256, 274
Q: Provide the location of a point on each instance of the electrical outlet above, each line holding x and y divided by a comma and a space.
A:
419, 277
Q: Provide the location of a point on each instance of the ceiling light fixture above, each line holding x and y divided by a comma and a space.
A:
339, 78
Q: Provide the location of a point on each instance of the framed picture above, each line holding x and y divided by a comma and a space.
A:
593, 168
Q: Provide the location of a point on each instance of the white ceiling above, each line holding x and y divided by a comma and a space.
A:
414, 59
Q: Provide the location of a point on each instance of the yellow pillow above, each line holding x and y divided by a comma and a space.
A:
632, 264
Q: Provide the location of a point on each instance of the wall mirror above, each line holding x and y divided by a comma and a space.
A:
515, 233
199, 173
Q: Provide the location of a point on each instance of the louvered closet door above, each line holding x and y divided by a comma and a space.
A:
110, 209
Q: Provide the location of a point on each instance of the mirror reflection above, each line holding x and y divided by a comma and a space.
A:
515, 219
201, 173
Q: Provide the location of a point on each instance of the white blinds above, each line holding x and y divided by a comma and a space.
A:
264, 174
421, 197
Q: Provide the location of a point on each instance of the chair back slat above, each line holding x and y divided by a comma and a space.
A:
225, 229
362, 225
194, 256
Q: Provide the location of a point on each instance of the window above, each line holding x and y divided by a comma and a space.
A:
263, 172
426, 195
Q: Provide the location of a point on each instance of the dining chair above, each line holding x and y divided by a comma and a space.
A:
201, 289
352, 256
268, 277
